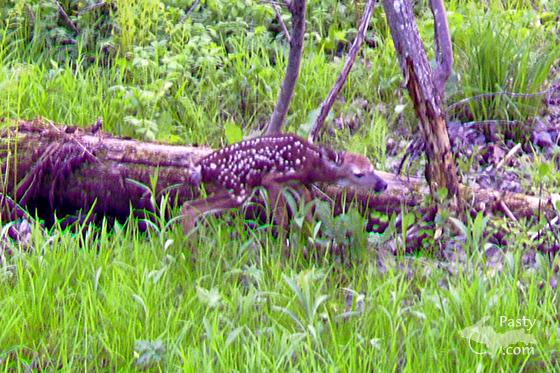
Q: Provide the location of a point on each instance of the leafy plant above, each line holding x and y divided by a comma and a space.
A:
503, 54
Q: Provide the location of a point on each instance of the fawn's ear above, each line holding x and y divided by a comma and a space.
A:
330, 156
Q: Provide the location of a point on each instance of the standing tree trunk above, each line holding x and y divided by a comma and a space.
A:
426, 88
297, 8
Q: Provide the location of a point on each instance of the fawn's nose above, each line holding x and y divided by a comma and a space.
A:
380, 185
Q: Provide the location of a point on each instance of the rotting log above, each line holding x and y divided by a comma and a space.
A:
52, 169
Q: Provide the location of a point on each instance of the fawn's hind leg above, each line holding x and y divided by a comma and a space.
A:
277, 201
192, 210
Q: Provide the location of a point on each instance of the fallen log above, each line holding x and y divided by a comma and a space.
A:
49, 169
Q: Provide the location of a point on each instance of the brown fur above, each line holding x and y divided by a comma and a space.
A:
235, 171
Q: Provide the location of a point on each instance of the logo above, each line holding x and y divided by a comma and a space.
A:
505, 343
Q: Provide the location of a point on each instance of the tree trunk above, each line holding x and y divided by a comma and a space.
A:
426, 88
297, 8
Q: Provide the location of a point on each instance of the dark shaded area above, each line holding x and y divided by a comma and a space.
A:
64, 172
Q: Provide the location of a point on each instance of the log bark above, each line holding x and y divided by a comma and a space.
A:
426, 88
50, 169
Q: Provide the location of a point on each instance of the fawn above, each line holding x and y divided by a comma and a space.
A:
233, 172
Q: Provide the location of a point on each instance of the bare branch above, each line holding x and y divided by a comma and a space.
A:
66, 19
188, 12
284, 4
281, 21
493, 122
508, 156
335, 90
444, 50
467, 100
91, 7
507, 211
297, 8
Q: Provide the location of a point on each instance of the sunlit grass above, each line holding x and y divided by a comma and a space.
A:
227, 298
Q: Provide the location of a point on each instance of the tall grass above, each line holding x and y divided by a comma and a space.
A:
120, 300
503, 51
503, 57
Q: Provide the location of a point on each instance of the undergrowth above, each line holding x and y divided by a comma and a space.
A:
121, 299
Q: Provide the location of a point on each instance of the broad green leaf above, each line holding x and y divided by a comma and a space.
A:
233, 132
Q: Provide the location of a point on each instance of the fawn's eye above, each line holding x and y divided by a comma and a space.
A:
359, 174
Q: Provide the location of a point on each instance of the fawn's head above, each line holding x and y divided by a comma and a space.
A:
353, 169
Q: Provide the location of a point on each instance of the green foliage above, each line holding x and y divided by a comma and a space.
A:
35, 30
505, 52
233, 132
117, 299
345, 230
473, 231
372, 139
175, 70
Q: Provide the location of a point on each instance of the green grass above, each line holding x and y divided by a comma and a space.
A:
510, 55
97, 301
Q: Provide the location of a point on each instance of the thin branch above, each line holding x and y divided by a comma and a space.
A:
467, 100
284, 4
335, 90
444, 50
281, 21
66, 19
297, 8
91, 7
507, 211
188, 12
492, 122
508, 156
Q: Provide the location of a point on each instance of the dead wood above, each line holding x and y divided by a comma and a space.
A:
66, 18
426, 87
50, 169
66, 169
297, 9
281, 22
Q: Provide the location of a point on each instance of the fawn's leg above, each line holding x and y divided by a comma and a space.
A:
277, 201
308, 198
192, 210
